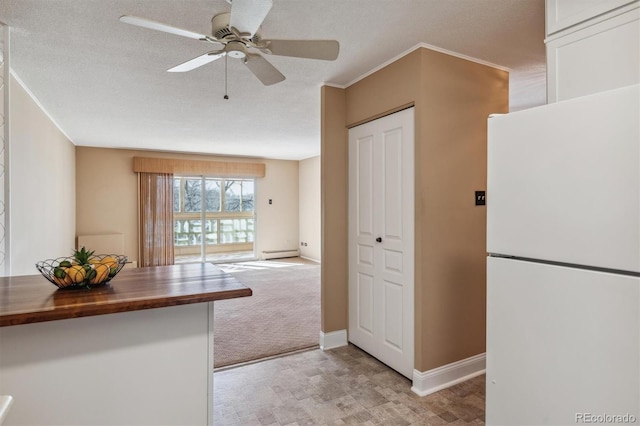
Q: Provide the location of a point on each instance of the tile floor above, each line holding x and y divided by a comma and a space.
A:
342, 386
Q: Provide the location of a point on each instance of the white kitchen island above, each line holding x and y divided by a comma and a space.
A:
136, 352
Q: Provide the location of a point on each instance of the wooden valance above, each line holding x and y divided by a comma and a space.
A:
198, 167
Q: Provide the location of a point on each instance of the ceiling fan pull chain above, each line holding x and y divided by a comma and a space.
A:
226, 96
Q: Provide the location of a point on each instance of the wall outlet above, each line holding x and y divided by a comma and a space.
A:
481, 198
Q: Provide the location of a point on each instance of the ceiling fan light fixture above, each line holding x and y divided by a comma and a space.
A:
236, 50
238, 33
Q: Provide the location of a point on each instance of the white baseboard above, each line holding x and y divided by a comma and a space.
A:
309, 258
428, 382
279, 254
333, 339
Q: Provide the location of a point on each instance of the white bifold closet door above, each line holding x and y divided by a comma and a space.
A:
381, 239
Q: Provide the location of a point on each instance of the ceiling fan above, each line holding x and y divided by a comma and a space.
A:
237, 33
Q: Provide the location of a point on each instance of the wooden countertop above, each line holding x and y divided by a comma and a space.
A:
28, 299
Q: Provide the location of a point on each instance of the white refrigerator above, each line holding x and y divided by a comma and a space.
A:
563, 270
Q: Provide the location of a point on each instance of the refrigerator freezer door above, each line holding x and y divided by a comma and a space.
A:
563, 181
561, 342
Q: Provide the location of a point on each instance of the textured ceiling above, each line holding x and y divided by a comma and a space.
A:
105, 83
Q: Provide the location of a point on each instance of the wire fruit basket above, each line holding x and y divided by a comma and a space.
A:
67, 273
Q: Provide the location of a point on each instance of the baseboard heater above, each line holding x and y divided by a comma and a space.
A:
279, 254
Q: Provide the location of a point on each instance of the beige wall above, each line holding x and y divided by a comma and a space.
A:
310, 222
452, 99
278, 224
333, 195
451, 166
396, 85
42, 186
107, 196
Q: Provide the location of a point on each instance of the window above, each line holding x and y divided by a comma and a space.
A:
213, 216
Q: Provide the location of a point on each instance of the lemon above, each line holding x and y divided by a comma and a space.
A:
102, 273
110, 262
77, 273
61, 277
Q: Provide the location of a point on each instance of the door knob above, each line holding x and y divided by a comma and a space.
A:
379, 239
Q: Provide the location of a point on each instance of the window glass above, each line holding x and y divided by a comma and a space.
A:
247, 196
212, 194
194, 229
232, 195
227, 234
192, 195
176, 194
227, 219
212, 231
180, 238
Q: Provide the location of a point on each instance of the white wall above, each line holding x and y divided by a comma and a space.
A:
42, 186
4, 159
309, 208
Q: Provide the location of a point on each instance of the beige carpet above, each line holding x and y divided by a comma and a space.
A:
283, 315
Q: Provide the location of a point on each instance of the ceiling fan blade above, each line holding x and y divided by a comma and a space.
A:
312, 49
153, 25
247, 15
197, 62
261, 68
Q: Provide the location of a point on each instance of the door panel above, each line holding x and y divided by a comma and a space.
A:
393, 261
365, 186
362, 205
365, 255
365, 303
393, 315
381, 224
392, 142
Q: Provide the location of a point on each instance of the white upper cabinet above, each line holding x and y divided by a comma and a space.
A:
592, 46
562, 14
